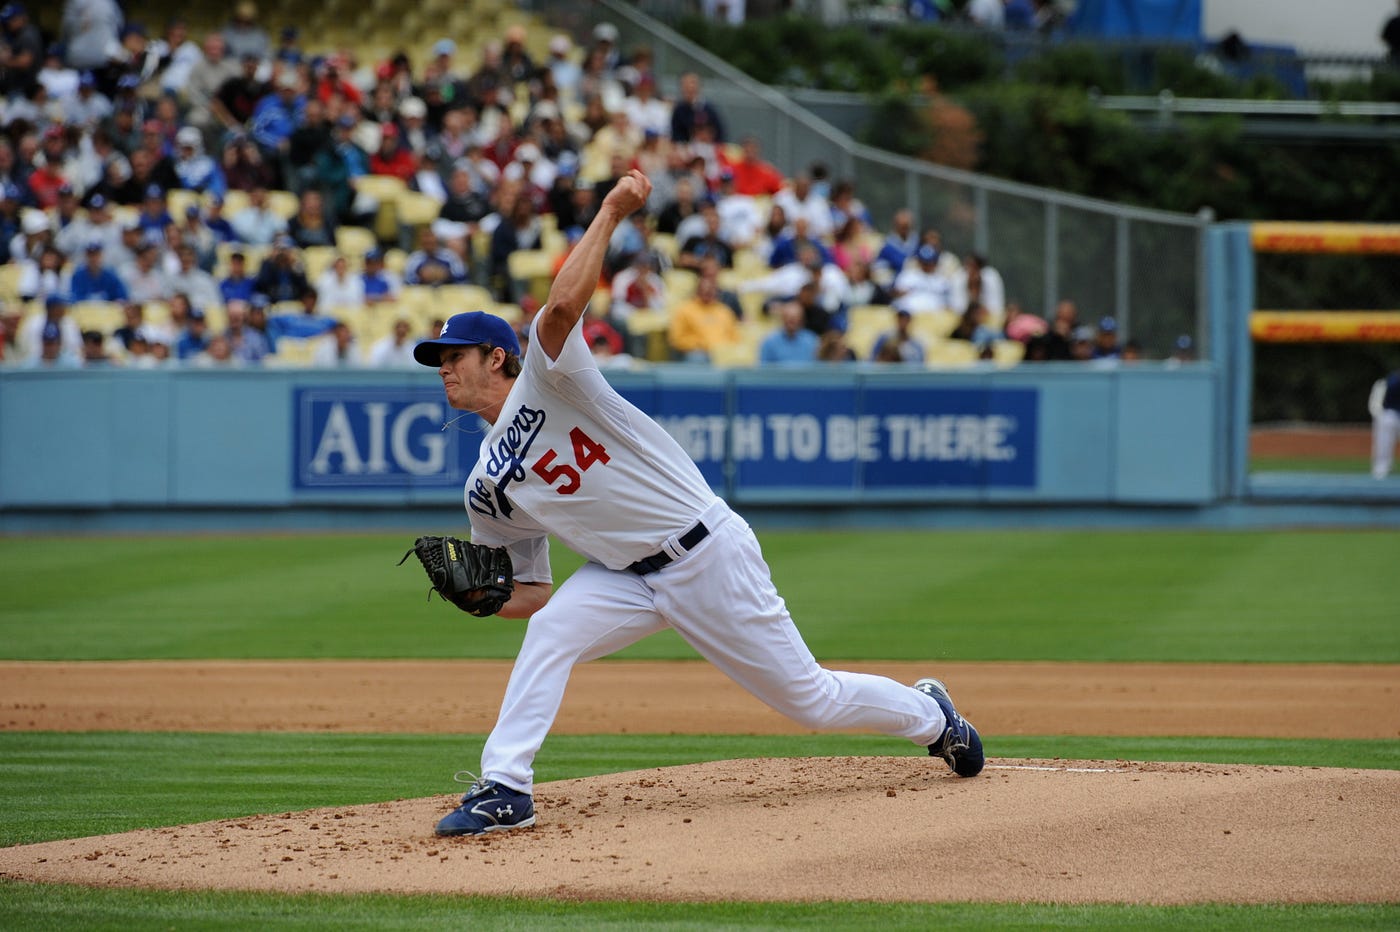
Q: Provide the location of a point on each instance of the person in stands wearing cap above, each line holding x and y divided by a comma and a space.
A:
90, 108
192, 280
21, 50
244, 36
47, 175
153, 216
54, 325
920, 287
381, 285
195, 169
281, 277
432, 263
94, 280
563, 69
392, 157
1106, 344
277, 115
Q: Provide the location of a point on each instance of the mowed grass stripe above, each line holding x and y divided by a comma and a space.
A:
961, 595
72, 785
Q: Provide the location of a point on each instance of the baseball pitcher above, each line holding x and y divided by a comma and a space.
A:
567, 455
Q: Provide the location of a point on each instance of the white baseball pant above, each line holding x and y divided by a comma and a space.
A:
721, 599
1385, 431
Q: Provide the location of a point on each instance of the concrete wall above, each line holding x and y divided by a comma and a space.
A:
186, 440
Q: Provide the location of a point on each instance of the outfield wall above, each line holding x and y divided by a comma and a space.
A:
166, 441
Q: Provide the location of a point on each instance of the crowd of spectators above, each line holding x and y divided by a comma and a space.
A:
191, 181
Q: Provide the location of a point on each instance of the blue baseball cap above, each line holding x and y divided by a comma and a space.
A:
926, 253
474, 328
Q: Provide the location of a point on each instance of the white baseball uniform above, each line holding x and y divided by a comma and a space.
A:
569, 456
1384, 405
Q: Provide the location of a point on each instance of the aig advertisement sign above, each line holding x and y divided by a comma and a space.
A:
744, 438
379, 438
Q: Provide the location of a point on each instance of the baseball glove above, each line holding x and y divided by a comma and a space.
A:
473, 577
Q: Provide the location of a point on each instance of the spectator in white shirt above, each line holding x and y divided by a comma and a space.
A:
801, 199
920, 288
338, 287
395, 350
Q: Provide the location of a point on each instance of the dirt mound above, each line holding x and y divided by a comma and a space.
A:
886, 829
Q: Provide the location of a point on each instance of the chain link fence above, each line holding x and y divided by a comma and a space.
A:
1143, 267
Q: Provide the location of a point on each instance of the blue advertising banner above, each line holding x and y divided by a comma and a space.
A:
745, 438
378, 438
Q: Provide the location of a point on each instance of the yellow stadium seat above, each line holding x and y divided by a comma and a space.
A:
1008, 352
283, 203
454, 299
177, 199
680, 283
534, 268
102, 316
9, 281
950, 354
416, 209
234, 201
354, 241
295, 352
665, 244
394, 260
316, 259
932, 326
385, 189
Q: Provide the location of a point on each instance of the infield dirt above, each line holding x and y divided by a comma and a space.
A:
882, 828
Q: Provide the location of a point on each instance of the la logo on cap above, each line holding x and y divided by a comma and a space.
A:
443, 331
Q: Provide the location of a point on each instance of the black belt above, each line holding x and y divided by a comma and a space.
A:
687, 541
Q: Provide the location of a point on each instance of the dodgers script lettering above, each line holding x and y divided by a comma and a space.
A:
505, 463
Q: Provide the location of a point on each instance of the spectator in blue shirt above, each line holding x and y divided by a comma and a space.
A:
237, 286
793, 344
196, 170
216, 222
276, 115
93, 281
381, 285
194, 339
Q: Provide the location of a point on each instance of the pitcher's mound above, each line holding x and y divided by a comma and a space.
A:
880, 828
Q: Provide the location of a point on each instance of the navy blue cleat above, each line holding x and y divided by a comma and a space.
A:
959, 745
489, 807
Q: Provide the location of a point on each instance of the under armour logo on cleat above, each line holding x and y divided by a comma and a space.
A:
506, 811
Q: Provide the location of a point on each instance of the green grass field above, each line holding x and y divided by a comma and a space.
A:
1097, 596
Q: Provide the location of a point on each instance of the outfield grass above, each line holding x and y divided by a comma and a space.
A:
32, 907
967, 595
145, 779
957, 595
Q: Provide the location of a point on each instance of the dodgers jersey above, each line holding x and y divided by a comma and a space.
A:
571, 457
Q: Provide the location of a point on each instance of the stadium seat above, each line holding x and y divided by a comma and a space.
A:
665, 244
680, 284
102, 316
416, 209
283, 203
533, 268
9, 282
234, 201
950, 354
293, 352
354, 241
177, 199
933, 326
1008, 352
316, 259
453, 299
